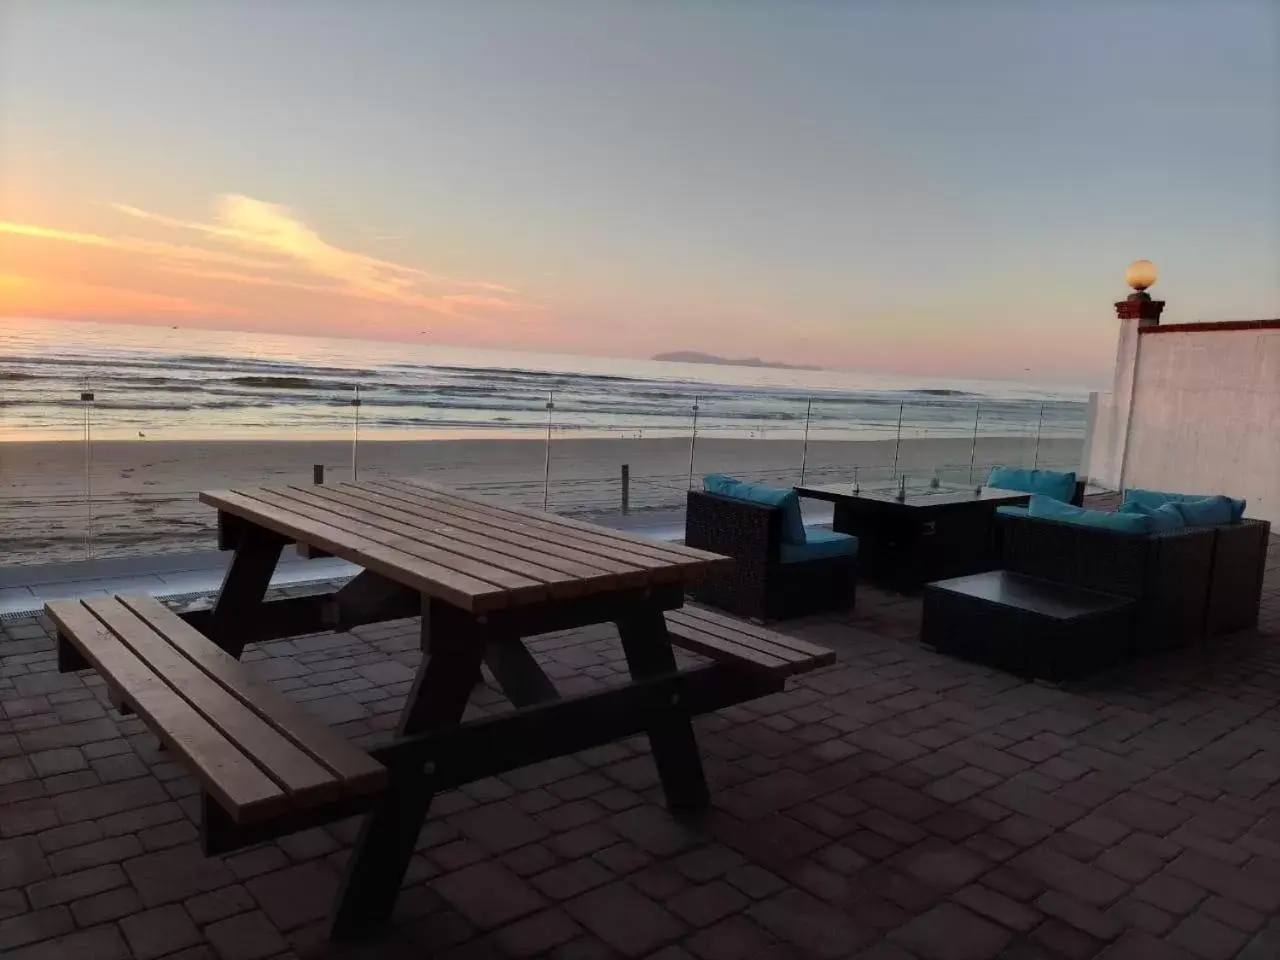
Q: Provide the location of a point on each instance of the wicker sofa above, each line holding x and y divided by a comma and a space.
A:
1186, 584
760, 585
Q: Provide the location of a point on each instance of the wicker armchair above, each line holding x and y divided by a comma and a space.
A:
1167, 574
1235, 586
760, 585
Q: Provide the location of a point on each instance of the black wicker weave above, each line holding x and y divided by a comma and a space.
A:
1033, 628
1235, 587
1167, 574
759, 585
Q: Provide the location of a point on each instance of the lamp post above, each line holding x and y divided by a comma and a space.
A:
1139, 306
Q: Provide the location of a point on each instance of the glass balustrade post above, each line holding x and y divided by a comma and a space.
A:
693, 441
1035, 461
86, 400
355, 435
973, 446
897, 443
546, 470
804, 450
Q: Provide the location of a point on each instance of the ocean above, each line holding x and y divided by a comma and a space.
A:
165, 383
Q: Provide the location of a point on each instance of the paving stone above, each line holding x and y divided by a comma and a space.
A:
996, 906
1206, 937
808, 924
111, 850
571, 879
252, 863
1065, 941
248, 936
622, 858
74, 886
653, 829
499, 827
1170, 893
626, 920
535, 935
704, 905
154, 933
105, 907
941, 864
488, 894
1135, 945
1079, 880
1247, 885
297, 894
950, 932
731, 939
100, 943
22, 862
107, 799
178, 873
39, 924
47, 763
1082, 916
755, 881
217, 905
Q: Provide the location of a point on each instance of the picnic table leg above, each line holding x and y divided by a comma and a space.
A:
230, 624
389, 833
675, 749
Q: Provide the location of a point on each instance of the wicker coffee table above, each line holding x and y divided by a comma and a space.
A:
1034, 628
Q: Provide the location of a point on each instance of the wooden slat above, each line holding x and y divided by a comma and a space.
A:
563, 577
750, 629
679, 620
516, 529
359, 772
691, 553
305, 780
466, 592
517, 585
718, 648
244, 791
540, 517
547, 545
685, 558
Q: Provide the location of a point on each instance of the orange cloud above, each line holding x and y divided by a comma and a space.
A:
271, 228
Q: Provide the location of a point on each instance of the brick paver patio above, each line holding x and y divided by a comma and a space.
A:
897, 805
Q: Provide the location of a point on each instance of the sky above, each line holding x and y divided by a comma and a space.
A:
928, 187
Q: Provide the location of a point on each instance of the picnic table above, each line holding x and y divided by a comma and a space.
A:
483, 577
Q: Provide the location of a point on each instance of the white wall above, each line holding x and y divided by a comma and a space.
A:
1205, 416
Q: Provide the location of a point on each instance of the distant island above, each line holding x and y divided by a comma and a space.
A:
693, 356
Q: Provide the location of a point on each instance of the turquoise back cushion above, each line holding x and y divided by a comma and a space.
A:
1207, 512
792, 521
1011, 511
1048, 483
1046, 508
1157, 498
1163, 518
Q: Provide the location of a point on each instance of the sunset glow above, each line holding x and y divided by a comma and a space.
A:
621, 182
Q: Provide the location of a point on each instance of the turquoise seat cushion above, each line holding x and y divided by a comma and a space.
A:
820, 545
1048, 483
1011, 511
784, 499
1047, 508
1207, 512
1163, 518
1157, 498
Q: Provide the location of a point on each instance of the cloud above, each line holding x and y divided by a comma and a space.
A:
255, 243
28, 296
270, 228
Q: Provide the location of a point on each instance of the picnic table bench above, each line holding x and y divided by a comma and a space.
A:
482, 577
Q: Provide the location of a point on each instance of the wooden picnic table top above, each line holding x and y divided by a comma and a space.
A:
460, 548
